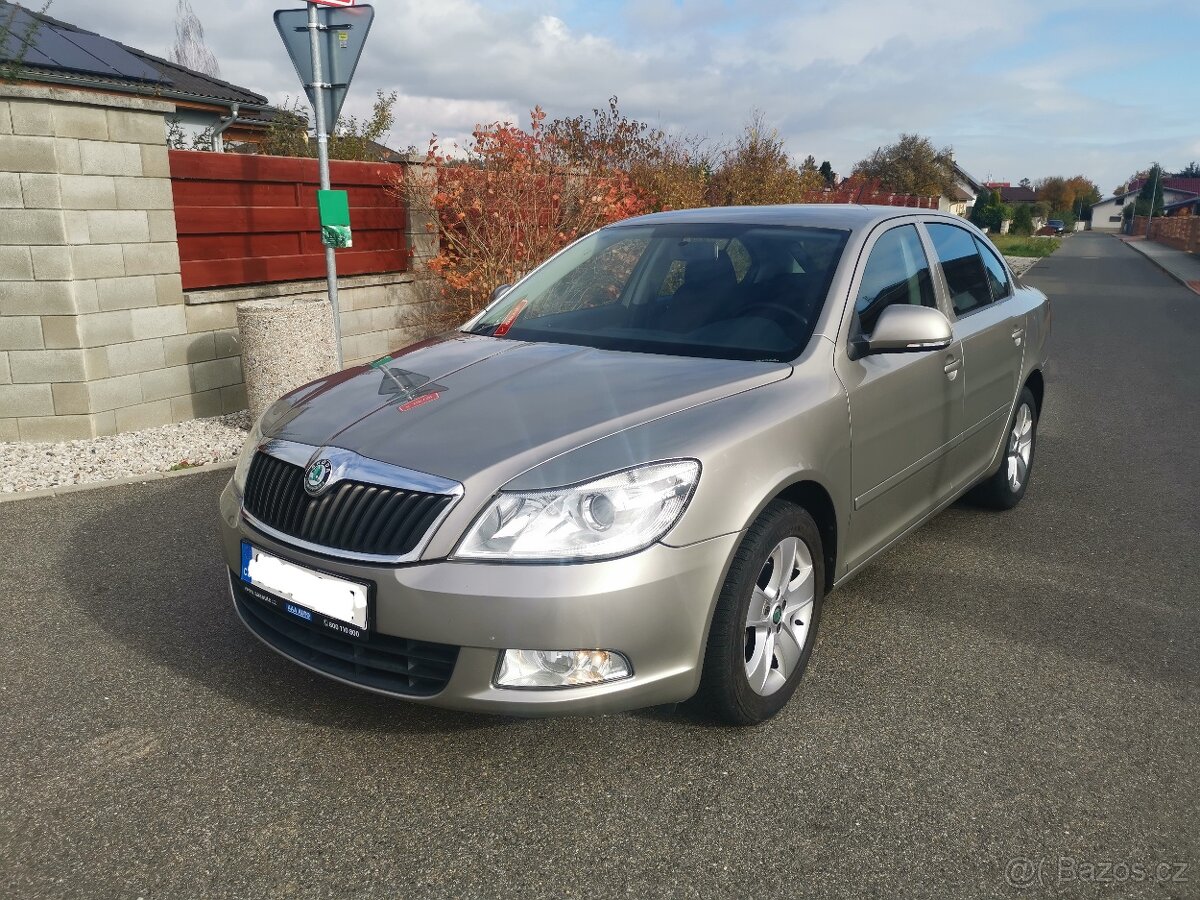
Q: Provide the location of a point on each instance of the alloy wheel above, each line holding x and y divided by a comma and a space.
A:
780, 615
1020, 448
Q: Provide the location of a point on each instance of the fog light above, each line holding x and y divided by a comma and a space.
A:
560, 668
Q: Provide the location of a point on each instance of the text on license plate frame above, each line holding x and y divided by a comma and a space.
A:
296, 590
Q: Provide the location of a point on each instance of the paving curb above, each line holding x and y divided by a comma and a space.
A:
1133, 245
114, 482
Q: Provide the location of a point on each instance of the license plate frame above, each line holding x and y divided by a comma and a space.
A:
309, 613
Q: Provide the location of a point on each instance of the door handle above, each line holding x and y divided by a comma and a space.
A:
953, 364
1018, 335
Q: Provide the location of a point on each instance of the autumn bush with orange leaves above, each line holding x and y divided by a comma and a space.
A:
503, 204
513, 197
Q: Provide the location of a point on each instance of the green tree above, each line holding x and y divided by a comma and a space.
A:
912, 165
1066, 215
673, 170
1022, 220
756, 170
1191, 170
353, 139
828, 174
1150, 197
992, 213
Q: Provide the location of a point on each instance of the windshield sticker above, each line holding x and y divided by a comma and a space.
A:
502, 328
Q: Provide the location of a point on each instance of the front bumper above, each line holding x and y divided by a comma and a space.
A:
654, 607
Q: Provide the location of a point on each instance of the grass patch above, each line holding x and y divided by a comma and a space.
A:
1015, 245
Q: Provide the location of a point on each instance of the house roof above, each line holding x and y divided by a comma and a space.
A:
1191, 185
1186, 201
60, 52
973, 184
958, 194
1166, 188
1017, 194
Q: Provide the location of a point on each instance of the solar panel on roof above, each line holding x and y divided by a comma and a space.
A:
115, 56
63, 54
19, 23
64, 48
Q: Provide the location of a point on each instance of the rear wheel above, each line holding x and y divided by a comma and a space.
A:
765, 623
1005, 488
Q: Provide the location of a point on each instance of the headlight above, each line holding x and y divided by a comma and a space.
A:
615, 515
267, 421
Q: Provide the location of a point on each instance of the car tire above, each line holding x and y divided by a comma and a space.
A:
1006, 486
756, 656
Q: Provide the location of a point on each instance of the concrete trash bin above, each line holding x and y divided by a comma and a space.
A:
285, 343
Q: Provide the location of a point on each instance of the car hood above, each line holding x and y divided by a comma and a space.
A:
480, 409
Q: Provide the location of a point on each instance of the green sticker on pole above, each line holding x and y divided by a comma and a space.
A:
334, 210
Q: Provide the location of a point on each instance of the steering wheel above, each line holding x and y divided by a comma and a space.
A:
772, 309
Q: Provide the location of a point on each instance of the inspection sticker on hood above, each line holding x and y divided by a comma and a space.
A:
418, 401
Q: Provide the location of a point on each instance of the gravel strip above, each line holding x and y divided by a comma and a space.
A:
1020, 264
30, 466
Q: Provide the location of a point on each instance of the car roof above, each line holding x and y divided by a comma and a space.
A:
846, 216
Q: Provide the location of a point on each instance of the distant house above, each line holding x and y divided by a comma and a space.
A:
1107, 214
208, 109
960, 197
1013, 195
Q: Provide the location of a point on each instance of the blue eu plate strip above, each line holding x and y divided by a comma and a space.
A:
247, 552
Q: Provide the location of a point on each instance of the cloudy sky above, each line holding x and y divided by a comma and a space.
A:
1019, 88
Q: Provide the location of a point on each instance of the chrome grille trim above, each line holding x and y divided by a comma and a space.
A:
350, 466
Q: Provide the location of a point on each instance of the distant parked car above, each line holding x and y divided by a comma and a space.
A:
633, 477
1053, 227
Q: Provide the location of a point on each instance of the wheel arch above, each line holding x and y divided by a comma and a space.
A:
1037, 386
816, 500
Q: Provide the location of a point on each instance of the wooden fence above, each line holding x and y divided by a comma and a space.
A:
253, 219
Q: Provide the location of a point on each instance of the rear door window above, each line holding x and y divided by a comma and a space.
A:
965, 275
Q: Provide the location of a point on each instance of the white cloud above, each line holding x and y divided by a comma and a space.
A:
838, 78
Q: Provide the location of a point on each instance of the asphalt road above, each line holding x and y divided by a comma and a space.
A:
999, 687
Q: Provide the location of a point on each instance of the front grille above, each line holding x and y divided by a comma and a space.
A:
386, 663
350, 515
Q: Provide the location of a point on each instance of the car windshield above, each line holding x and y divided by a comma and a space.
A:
730, 291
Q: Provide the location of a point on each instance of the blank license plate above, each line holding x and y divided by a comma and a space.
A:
314, 597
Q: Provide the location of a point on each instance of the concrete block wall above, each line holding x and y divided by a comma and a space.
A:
379, 312
96, 333
95, 337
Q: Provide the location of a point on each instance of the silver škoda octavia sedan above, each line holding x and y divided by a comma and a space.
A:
635, 476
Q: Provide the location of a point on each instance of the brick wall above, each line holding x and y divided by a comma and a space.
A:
1180, 232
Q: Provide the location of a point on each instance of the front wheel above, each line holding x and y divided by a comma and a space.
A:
765, 622
1005, 488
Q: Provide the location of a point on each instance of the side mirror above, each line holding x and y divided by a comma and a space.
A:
499, 292
905, 329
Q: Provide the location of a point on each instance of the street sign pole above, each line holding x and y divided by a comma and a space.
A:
318, 92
